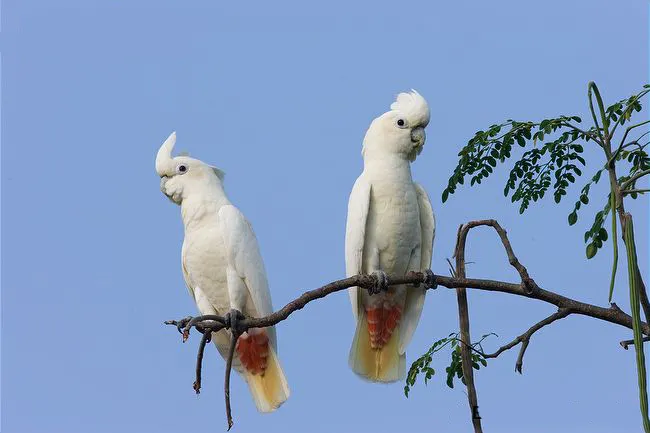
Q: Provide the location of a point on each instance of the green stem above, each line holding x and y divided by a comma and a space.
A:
628, 231
593, 88
629, 128
632, 191
615, 244
583, 132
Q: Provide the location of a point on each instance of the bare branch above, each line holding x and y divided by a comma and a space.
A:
524, 338
526, 288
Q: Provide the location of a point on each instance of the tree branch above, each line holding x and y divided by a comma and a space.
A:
524, 338
526, 288
634, 177
465, 338
632, 191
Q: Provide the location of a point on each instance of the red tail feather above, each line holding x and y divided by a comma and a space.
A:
253, 349
382, 321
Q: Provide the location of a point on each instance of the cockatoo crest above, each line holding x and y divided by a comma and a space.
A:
182, 175
413, 106
399, 131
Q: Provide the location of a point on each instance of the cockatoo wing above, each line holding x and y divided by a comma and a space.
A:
243, 253
186, 276
415, 296
427, 225
355, 233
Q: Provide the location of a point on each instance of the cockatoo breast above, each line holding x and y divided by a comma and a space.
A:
393, 218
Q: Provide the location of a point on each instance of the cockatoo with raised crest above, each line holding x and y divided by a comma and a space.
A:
223, 269
390, 230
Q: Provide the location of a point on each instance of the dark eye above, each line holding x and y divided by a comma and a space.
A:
181, 169
401, 123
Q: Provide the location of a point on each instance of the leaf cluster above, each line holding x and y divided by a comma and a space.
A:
422, 365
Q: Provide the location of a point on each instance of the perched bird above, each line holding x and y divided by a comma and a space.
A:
390, 230
223, 269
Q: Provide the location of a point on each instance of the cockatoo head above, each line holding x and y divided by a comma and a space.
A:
401, 130
182, 176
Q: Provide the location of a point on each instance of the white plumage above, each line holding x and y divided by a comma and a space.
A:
390, 228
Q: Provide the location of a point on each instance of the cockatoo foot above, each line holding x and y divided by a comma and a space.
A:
381, 282
180, 325
232, 319
430, 279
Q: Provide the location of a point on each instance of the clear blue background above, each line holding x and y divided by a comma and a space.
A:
279, 95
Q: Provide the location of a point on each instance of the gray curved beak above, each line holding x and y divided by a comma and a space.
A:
173, 198
418, 136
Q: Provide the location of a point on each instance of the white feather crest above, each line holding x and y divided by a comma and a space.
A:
413, 106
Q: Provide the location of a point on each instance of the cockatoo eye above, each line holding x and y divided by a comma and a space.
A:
181, 169
401, 123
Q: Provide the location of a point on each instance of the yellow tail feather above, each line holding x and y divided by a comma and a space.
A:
269, 390
376, 365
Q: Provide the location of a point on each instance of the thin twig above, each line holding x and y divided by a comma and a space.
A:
633, 191
635, 176
199, 361
626, 343
226, 382
524, 338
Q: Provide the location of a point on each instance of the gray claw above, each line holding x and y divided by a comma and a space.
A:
182, 323
381, 282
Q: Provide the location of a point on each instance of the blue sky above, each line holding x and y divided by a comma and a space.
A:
279, 95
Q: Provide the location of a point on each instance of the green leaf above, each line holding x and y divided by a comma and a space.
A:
445, 195
584, 199
591, 250
573, 217
602, 234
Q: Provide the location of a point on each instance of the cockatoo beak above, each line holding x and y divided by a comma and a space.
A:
164, 156
418, 137
175, 197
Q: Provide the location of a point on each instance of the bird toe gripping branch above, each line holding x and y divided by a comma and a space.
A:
381, 282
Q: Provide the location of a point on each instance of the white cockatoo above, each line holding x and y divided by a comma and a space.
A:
390, 230
223, 269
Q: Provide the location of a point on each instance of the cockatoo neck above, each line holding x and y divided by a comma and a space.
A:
387, 164
196, 207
